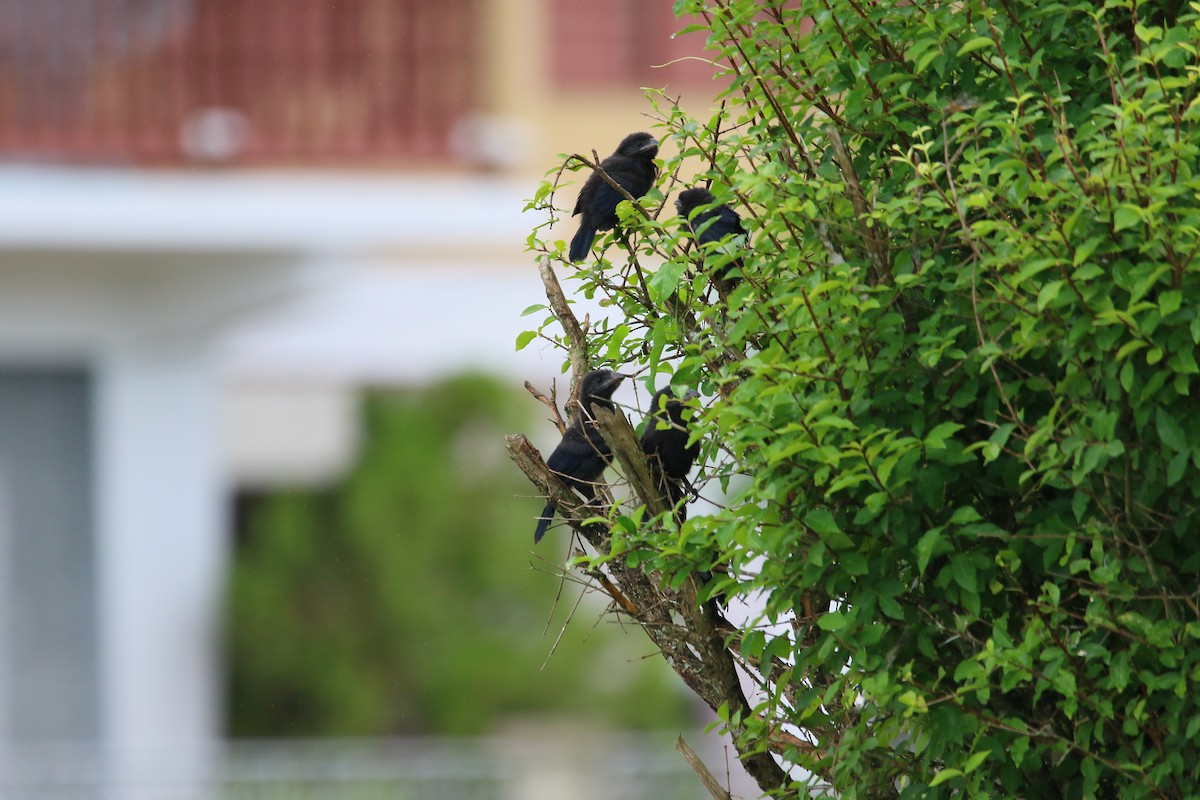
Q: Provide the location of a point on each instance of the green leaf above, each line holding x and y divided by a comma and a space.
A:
663, 281
853, 563
1126, 216
1193, 727
1147, 34
945, 775
938, 436
832, 621
978, 43
1020, 746
964, 515
524, 338
1169, 302
824, 525
933, 543
1084, 252
753, 643
1177, 468
974, 761
1132, 346
658, 341
1171, 432
1048, 294
963, 572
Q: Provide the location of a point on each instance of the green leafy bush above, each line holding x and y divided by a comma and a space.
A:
951, 402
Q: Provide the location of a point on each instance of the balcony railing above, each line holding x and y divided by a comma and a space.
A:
608, 765
253, 81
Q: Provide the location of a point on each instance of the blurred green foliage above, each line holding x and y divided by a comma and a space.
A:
407, 599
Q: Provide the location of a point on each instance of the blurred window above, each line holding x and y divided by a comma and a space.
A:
49, 645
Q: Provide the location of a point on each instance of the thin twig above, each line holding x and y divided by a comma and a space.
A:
550, 402
562, 631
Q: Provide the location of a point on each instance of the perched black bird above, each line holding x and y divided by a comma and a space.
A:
582, 455
711, 225
632, 166
665, 443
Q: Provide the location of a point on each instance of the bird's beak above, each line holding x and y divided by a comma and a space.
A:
690, 394
612, 383
650, 147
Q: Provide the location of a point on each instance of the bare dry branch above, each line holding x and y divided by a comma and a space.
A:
781, 739
576, 338
627, 450
529, 460
710, 783
550, 402
614, 592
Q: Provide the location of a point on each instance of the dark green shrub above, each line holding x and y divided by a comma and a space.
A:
952, 401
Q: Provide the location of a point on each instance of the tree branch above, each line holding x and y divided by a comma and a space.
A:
716, 682
627, 452
527, 458
574, 332
696, 649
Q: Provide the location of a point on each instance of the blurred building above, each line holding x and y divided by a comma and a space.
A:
216, 219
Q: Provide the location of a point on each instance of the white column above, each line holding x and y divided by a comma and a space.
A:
161, 553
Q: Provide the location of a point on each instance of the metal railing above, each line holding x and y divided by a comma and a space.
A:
254, 81
538, 767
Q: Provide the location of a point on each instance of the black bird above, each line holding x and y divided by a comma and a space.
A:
711, 225
632, 166
671, 458
665, 443
581, 456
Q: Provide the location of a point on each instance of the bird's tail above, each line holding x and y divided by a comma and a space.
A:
582, 242
543, 523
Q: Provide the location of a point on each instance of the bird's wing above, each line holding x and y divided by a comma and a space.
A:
731, 221
606, 198
584, 200
573, 452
